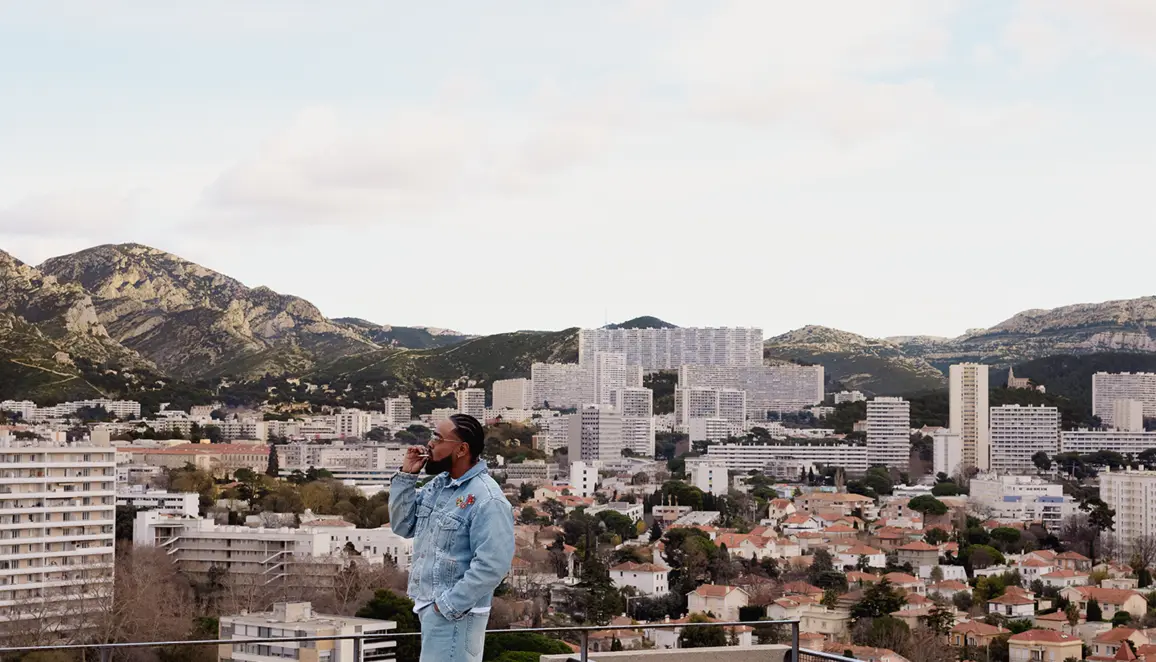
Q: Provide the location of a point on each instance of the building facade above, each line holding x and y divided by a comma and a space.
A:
297, 619
780, 388
637, 407
1109, 387
1021, 499
1090, 441
595, 433
174, 503
967, 400
472, 401
1017, 433
1132, 494
398, 411
667, 349
889, 432
513, 394
561, 385
744, 457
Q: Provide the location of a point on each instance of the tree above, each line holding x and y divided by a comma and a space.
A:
1042, 461
938, 620
1006, 536
945, 489
705, 636
880, 599
389, 606
213, 434
1101, 518
1121, 618
928, 505
1072, 611
935, 536
499, 644
273, 469
1094, 612
936, 575
962, 601
882, 632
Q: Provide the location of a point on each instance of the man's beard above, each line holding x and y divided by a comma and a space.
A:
434, 467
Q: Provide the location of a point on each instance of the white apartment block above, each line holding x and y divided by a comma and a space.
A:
441, 414
708, 475
1089, 441
172, 503
1017, 433
561, 385
1128, 415
968, 404
595, 433
782, 388
513, 394
636, 405
1108, 387
351, 423
398, 411
710, 429
646, 578
472, 401
530, 471
1021, 499
584, 478
849, 396
1132, 494
667, 349
555, 433
297, 619
364, 464
727, 404
241, 428
947, 452
611, 373
57, 513
30, 412
889, 432
743, 457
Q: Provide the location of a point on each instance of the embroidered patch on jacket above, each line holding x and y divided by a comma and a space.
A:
466, 501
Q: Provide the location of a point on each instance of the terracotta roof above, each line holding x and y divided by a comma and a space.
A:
839, 528
1124, 654
1045, 554
802, 587
1072, 556
1057, 616
1035, 563
857, 576
951, 585
1012, 599
780, 503
1061, 574
978, 627
1111, 596
1049, 636
639, 567
901, 578
715, 590
918, 546
862, 550
916, 599
797, 518
1114, 636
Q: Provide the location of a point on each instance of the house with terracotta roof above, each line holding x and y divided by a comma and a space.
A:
917, 554
833, 624
777, 509
844, 502
801, 522
789, 607
1107, 644
646, 578
668, 638
1032, 568
1044, 646
1012, 605
1110, 600
948, 588
721, 601
1057, 621
1043, 555
851, 557
855, 577
802, 588
1074, 561
1064, 578
906, 582
837, 532
864, 653
975, 634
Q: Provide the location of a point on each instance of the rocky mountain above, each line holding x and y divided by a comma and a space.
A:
194, 322
866, 364
644, 322
412, 337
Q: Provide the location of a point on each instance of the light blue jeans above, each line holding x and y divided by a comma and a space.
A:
443, 640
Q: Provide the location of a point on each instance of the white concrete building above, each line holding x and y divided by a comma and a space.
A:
611, 373
57, 513
1108, 387
742, 457
636, 405
351, 423
727, 404
710, 429
947, 451
968, 403
1132, 494
555, 434
561, 385
121, 409
472, 401
173, 503
710, 476
782, 388
584, 478
398, 411
441, 414
1021, 499
889, 432
296, 619
1017, 433
1128, 415
595, 433
362, 464
1089, 441
849, 396
667, 349
647, 578
530, 471
513, 394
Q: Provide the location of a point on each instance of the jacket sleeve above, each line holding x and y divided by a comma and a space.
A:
404, 498
492, 548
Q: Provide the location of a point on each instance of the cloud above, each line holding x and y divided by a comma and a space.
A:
83, 212
1045, 33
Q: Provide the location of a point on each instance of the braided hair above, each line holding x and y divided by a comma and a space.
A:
471, 432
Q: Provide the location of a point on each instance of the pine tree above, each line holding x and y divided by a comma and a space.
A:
274, 467
1094, 611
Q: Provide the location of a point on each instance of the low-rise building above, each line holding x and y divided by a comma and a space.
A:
173, 503
1064, 578
917, 554
1110, 600
1012, 605
975, 634
297, 619
722, 601
1044, 646
647, 578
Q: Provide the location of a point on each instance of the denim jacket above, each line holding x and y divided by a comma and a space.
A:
463, 531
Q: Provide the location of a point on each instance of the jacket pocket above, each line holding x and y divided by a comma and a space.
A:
449, 527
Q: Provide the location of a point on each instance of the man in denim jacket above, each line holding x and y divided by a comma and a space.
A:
463, 530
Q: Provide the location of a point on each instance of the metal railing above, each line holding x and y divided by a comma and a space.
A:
105, 651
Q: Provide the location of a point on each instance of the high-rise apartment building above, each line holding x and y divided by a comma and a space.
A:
472, 401
561, 385
297, 619
1022, 499
947, 451
1018, 433
732, 407
595, 433
398, 411
781, 388
611, 373
351, 423
667, 349
1119, 441
1132, 494
694, 403
1128, 415
889, 432
849, 396
57, 513
1108, 387
969, 412
513, 394
708, 475
637, 407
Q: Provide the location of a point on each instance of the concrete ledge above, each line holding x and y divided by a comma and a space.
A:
768, 653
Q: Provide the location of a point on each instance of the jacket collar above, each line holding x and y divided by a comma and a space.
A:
478, 468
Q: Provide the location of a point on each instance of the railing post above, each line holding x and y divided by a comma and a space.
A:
585, 645
795, 642
357, 649
105, 654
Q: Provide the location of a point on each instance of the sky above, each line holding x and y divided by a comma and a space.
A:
893, 167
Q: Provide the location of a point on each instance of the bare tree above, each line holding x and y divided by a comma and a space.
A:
1142, 551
